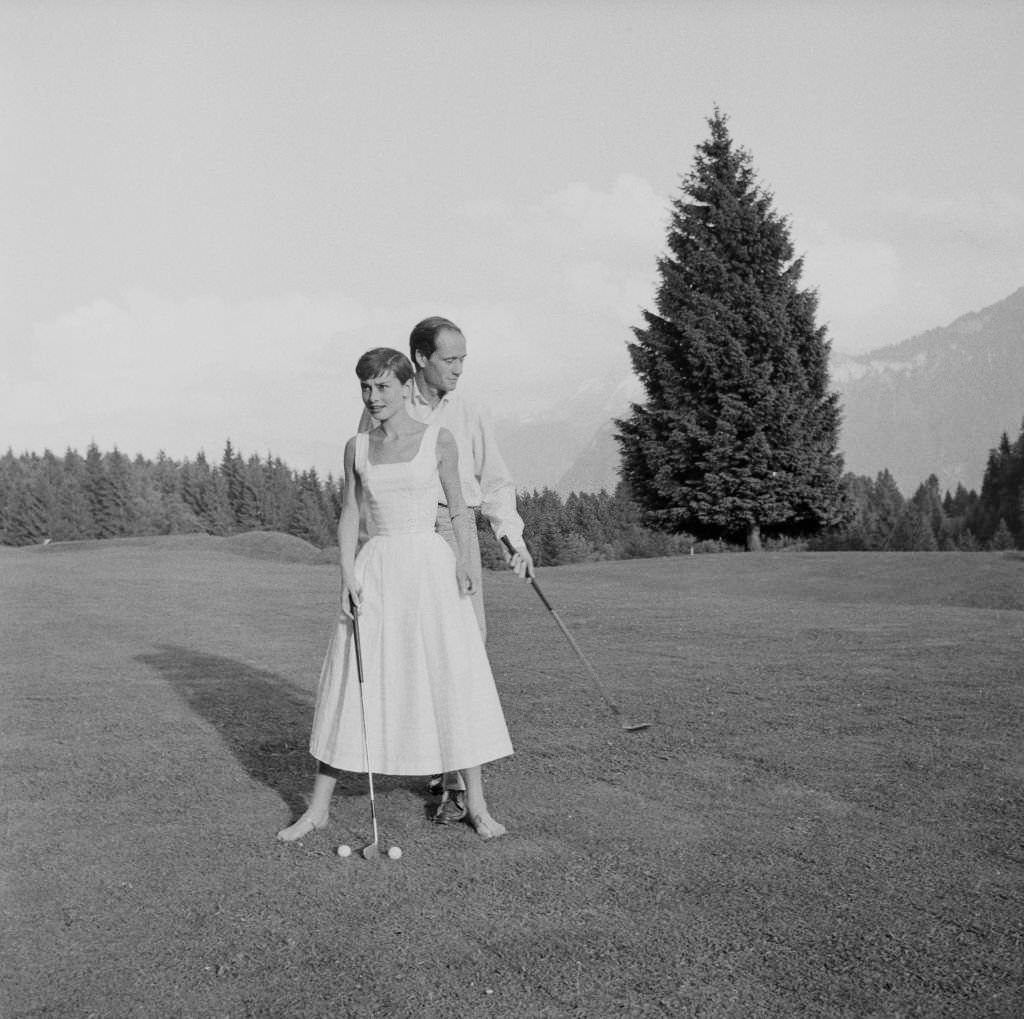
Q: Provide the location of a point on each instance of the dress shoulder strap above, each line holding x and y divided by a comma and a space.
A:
429, 440
362, 451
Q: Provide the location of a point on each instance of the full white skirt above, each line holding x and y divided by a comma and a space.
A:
431, 701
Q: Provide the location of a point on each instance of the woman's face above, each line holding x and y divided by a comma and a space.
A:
384, 396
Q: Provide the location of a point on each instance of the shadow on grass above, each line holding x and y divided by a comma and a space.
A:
263, 720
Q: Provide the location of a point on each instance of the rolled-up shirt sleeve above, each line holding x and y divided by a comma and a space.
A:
497, 490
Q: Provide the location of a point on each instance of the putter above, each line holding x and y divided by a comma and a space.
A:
372, 851
591, 672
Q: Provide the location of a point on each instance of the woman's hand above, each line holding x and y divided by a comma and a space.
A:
351, 593
465, 579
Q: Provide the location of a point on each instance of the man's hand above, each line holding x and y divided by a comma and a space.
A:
518, 559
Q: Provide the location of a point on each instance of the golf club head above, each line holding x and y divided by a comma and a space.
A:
372, 852
637, 726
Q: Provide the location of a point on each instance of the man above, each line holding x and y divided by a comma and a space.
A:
437, 350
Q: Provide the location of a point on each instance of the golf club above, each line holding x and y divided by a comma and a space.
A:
591, 672
372, 851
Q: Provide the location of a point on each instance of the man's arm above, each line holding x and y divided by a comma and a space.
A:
497, 490
498, 493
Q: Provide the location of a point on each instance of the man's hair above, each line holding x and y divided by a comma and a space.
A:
380, 360
423, 338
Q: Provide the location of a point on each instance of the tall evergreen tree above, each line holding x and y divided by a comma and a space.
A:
738, 435
1002, 490
888, 507
75, 514
242, 493
928, 499
278, 495
119, 492
103, 503
26, 516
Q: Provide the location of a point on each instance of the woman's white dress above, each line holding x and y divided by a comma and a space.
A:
431, 701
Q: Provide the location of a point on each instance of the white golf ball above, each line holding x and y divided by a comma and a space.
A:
344, 850
395, 853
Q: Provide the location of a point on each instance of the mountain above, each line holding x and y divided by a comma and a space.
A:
933, 404
543, 449
938, 402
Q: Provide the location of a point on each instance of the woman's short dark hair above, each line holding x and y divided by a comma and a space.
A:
380, 360
423, 338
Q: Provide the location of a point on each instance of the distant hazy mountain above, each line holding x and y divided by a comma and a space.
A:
545, 448
933, 404
936, 403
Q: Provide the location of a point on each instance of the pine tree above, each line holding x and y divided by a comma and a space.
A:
1002, 539
738, 435
928, 500
913, 531
73, 505
242, 496
119, 492
888, 508
26, 522
542, 515
100, 492
1002, 488
278, 495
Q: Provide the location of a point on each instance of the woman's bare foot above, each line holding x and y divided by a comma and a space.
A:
485, 826
302, 827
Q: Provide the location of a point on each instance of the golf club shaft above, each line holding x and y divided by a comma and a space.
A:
362, 706
591, 671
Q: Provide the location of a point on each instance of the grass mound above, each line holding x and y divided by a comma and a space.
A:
276, 547
198, 540
271, 546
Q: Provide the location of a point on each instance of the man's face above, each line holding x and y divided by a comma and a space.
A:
442, 369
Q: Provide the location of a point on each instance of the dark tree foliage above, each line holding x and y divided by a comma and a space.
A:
107, 495
738, 435
1002, 493
584, 527
240, 484
60, 499
961, 521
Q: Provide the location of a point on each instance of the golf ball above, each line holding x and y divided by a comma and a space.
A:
344, 850
395, 853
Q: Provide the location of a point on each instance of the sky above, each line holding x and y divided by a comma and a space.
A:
209, 210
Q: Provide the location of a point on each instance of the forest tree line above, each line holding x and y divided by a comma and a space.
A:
108, 494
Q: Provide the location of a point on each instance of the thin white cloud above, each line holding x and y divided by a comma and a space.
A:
145, 373
631, 210
603, 288
985, 218
855, 277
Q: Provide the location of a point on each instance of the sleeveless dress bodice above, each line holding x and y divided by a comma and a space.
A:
401, 497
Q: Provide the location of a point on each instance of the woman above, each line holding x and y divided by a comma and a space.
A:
431, 702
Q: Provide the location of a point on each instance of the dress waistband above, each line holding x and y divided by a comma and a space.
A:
403, 532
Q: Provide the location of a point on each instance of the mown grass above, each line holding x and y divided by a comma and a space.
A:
825, 820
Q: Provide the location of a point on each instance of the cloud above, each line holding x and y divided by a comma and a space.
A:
630, 211
274, 375
855, 277
592, 268
146, 373
984, 218
608, 290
